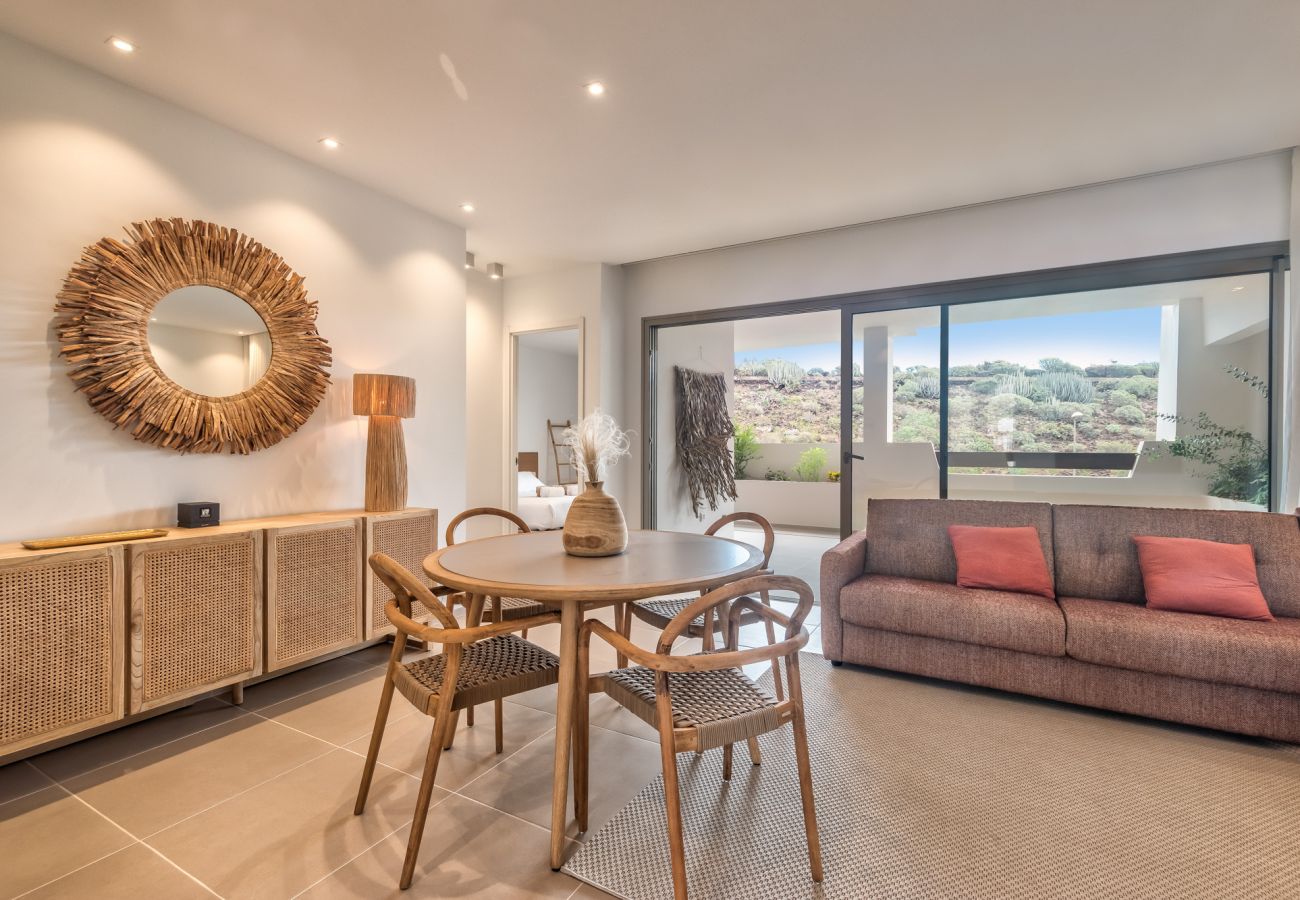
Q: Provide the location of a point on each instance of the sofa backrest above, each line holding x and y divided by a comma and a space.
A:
909, 538
1096, 556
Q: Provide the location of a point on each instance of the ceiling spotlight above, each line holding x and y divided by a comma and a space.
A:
330, 143
469, 260
467, 207
1240, 287
595, 88
120, 43
496, 271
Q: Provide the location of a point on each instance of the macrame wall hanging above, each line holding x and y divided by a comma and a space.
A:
703, 430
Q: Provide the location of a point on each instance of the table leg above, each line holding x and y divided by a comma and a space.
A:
570, 624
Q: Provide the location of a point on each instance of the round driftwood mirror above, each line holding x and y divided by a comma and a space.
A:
192, 337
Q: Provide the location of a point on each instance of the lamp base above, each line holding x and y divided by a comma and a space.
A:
385, 465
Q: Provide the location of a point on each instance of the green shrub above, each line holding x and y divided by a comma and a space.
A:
1056, 364
811, 463
1114, 428
1116, 447
751, 367
1149, 369
1053, 431
784, 374
1113, 370
1004, 405
1067, 386
1133, 415
744, 450
816, 372
927, 387
918, 426
1055, 411
776, 475
1121, 398
1140, 386
984, 386
1021, 385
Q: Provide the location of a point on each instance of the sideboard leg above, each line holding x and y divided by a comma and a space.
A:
237, 694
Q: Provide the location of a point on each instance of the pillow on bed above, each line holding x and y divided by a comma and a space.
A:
547, 490
528, 484
571, 490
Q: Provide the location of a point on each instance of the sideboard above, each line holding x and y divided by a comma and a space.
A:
95, 637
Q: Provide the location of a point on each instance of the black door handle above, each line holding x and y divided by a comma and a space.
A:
848, 456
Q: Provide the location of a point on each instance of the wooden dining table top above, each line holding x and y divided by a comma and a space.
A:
535, 566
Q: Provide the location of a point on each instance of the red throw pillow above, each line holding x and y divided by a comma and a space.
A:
1001, 559
1207, 577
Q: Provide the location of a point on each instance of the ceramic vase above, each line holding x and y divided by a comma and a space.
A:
595, 524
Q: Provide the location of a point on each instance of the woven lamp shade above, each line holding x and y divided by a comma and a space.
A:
383, 395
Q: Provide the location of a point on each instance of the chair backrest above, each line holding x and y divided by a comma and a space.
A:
484, 511
407, 589
769, 536
753, 585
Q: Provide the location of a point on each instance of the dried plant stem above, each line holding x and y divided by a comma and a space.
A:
703, 429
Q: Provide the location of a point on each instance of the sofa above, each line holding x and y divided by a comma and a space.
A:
890, 600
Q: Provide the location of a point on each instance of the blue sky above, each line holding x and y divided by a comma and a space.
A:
1125, 335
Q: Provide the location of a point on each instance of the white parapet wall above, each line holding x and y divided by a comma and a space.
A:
803, 504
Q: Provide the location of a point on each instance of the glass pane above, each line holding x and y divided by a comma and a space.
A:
1144, 396
895, 404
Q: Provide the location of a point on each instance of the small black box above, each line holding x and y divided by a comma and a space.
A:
197, 514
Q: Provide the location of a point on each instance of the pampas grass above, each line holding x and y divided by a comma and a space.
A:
597, 443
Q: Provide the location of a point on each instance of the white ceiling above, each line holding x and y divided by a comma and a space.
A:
725, 121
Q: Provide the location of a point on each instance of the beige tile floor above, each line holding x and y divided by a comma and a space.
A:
256, 801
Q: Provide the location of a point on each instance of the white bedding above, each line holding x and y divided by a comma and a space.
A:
544, 513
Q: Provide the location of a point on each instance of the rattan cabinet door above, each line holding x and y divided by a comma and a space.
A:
196, 616
408, 537
313, 590
62, 645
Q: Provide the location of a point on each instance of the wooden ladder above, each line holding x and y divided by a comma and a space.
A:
562, 453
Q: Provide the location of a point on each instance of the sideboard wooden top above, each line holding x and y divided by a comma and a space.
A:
15, 549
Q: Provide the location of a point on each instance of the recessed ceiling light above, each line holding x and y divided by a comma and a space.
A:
469, 260
496, 271
330, 143
467, 207
1240, 287
595, 88
121, 43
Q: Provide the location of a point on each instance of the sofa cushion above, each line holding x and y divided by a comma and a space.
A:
1206, 577
1096, 556
1264, 655
1001, 559
909, 538
1001, 619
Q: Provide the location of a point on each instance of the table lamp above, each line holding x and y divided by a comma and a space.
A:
386, 399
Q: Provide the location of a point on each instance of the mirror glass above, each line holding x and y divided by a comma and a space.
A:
209, 341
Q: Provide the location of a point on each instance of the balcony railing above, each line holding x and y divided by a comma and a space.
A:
971, 459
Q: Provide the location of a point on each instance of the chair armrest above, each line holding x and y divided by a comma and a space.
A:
841, 564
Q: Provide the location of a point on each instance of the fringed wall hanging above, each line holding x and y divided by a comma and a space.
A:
703, 430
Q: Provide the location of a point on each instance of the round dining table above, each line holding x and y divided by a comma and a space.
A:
534, 566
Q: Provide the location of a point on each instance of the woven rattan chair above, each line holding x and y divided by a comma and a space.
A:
702, 701
659, 611
495, 609
476, 665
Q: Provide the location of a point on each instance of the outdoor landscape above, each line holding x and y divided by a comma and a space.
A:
997, 405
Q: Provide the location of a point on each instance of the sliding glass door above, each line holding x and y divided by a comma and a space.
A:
891, 430
1150, 395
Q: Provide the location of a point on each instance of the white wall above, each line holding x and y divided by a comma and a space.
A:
546, 391
706, 348
485, 417
206, 362
1220, 205
81, 156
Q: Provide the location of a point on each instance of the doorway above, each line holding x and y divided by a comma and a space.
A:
546, 398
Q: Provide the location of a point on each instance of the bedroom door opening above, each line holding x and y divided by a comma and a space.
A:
546, 398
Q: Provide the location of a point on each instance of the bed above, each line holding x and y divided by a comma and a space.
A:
541, 513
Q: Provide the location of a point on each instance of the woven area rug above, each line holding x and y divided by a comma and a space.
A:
929, 790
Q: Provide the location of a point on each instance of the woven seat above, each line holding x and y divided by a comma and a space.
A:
478, 664
507, 609
662, 610
498, 667
724, 705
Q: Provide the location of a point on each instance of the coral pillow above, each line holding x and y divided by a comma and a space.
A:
1207, 577
1001, 559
